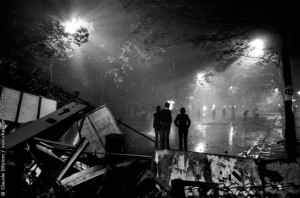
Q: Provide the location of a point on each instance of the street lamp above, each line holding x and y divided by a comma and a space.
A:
172, 102
73, 25
257, 47
78, 30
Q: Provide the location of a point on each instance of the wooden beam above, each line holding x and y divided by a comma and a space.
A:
88, 174
54, 142
50, 153
83, 176
47, 151
82, 145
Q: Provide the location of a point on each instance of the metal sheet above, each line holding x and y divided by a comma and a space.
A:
23, 107
97, 124
29, 108
11, 100
47, 106
30, 130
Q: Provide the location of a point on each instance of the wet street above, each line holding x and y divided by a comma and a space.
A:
207, 136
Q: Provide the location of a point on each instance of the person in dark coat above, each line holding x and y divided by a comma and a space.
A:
245, 116
214, 111
223, 113
183, 123
156, 124
166, 121
232, 113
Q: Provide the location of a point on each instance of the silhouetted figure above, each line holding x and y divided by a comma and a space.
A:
198, 115
281, 111
223, 113
232, 113
245, 115
156, 124
214, 114
256, 114
166, 121
183, 123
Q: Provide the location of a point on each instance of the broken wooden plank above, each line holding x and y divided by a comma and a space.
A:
83, 176
82, 145
54, 143
88, 174
32, 129
44, 148
49, 152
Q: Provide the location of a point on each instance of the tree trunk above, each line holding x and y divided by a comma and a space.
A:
290, 132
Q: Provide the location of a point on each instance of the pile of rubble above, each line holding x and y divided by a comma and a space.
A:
79, 151
75, 151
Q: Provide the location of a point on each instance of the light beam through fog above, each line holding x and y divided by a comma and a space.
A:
245, 84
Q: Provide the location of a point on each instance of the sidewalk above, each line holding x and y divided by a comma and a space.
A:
273, 145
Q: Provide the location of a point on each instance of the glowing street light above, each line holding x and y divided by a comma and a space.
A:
75, 24
172, 102
200, 76
213, 106
78, 29
258, 46
204, 109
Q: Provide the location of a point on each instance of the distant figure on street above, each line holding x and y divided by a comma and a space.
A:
256, 114
245, 116
156, 124
281, 111
214, 114
183, 123
223, 113
198, 115
232, 113
166, 121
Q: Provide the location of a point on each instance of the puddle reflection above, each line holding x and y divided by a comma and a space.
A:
201, 147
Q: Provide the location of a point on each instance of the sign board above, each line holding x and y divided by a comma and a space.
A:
50, 123
23, 107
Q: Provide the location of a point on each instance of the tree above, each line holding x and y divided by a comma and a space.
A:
226, 25
33, 36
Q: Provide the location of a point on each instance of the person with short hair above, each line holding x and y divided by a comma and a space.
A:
166, 121
156, 124
183, 123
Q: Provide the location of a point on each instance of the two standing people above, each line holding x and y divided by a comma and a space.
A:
162, 126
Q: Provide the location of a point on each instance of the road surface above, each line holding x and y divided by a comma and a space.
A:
207, 136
